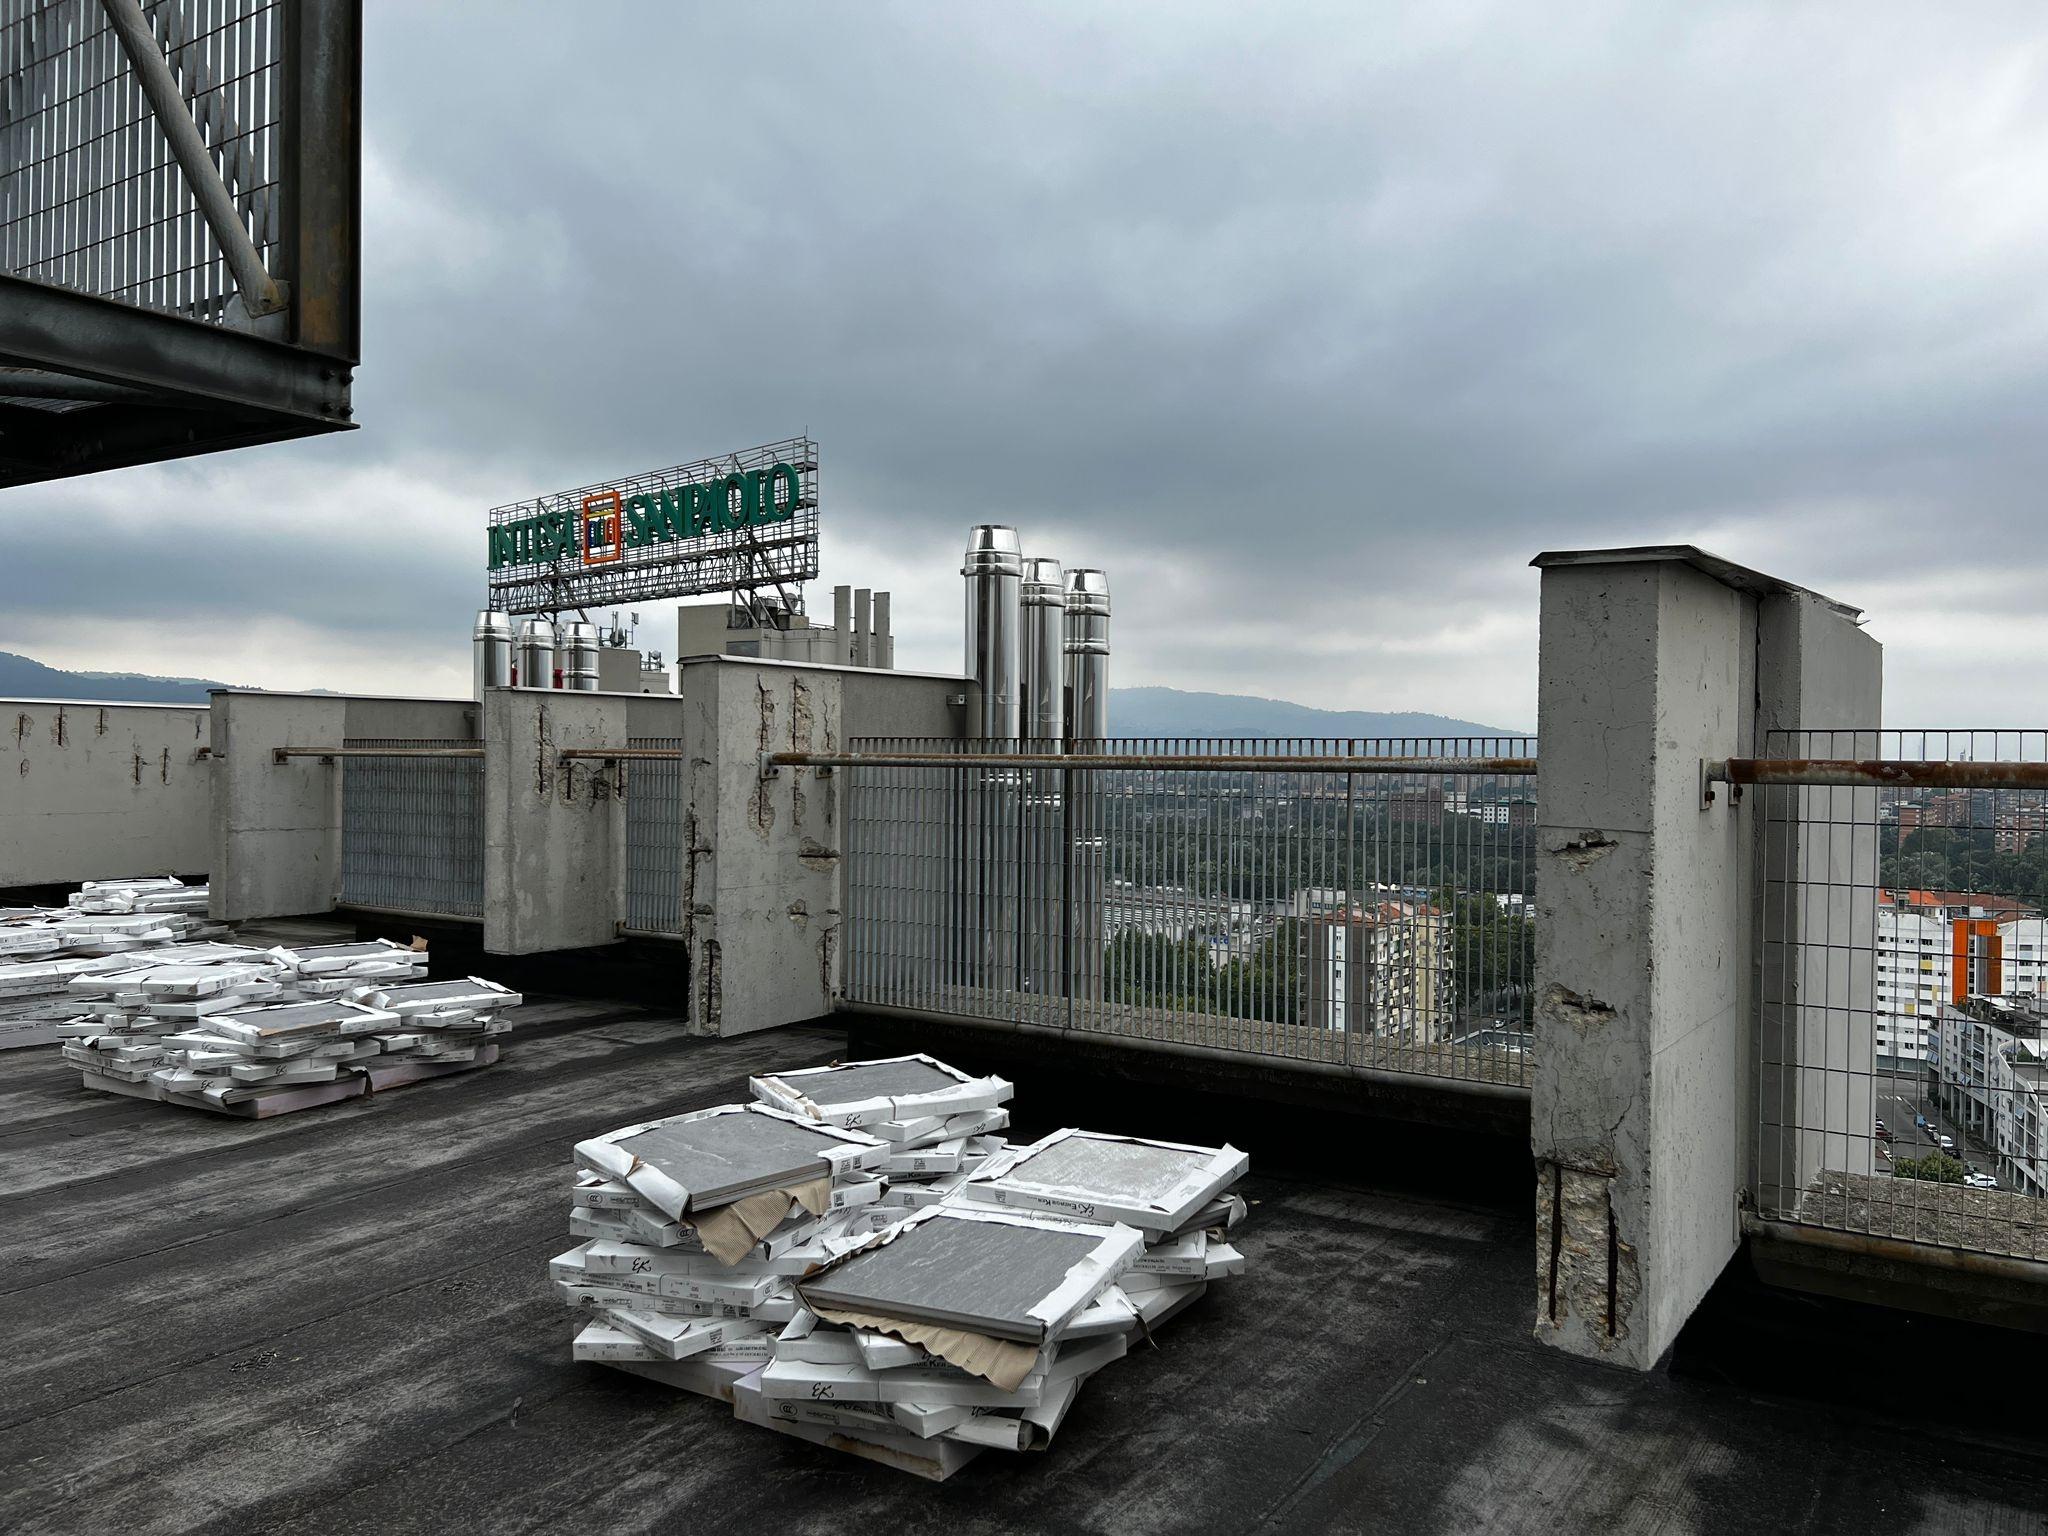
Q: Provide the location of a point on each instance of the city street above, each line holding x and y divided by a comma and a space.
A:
1901, 1095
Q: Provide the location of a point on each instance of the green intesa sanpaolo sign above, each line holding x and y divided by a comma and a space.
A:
611, 524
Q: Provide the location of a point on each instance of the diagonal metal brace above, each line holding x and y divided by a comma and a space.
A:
260, 292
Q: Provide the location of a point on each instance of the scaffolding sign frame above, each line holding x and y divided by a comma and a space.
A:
588, 558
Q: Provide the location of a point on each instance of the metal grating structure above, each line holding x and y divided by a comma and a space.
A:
780, 554
656, 845
1902, 912
91, 194
179, 187
412, 831
1375, 918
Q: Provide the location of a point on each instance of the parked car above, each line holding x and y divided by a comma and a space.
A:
1882, 1133
1980, 1181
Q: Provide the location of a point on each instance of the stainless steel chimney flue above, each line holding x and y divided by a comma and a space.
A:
1087, 655
1087, 683
537, 654
995, 572
1043, 647
579, 656
492, 642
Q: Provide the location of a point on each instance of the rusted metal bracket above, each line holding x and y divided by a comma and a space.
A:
282, 755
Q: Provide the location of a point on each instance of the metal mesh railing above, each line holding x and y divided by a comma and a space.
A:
1902, 1052
1376, 919
412, 831
91, 196
656, 845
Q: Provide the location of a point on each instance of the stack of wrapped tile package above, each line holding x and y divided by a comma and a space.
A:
802, 1258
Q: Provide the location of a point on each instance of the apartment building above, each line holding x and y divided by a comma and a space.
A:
1936, 948
1994, 1082
1380, 967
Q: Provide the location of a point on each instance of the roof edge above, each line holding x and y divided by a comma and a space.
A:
1741, 578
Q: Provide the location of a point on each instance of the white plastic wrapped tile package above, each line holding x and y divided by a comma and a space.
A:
43, 948
899, 1283
940, 1123
260, 1032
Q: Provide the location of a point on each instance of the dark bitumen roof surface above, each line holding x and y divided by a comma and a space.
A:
340, 1321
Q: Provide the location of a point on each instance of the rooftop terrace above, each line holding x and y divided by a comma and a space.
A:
340, 1321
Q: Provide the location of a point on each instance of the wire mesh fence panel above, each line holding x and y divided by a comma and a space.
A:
412, 831
91, 196
1902, 1044
1379, 919
657, 848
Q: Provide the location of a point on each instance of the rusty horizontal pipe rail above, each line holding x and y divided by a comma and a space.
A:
1846, 773
286, 754
1196, 761
621, 755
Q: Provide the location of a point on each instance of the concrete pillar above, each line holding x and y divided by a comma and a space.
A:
275, 827
1642, 1110
554, 832
842, 627
883, 643
761, 891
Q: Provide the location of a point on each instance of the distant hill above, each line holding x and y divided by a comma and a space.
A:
1170, 712
21, 678
1132, 711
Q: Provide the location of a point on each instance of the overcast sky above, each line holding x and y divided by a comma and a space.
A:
1309, 324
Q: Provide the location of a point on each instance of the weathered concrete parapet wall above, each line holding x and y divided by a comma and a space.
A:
89, 791
554, 831
1643, 1106
763, 889
276, 827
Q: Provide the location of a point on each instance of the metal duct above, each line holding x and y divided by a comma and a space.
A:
536, 654
1087, 655
1087, 685
492, 643
579, 655
1043, 646
995, 573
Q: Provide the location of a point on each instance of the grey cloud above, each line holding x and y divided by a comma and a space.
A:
1341, 308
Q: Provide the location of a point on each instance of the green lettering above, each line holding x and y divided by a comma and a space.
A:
754, 503
703, 510
784, 474
672, 514
638, 512
729, 516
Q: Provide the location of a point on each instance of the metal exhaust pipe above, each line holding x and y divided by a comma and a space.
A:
537, 654
491, 641
994, 570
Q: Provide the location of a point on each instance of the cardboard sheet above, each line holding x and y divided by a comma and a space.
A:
1001, 1362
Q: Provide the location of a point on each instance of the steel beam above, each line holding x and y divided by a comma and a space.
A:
1894, 773
322, 172
207, 387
